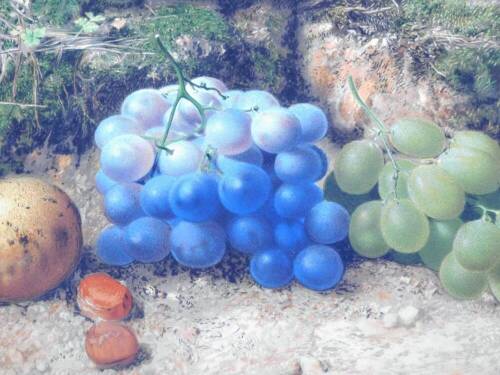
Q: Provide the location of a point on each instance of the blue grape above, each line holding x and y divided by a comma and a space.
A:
185, 158
122, 203
256, 99
249, 234
313, 121
198, 245
229, 131
251, 156
149, 239
295, 200
154, 197
327, 222
276, 130
318, 267
300, 164
103, 183
324, 161
127, 158
232, 98
111, 247
245, 189
114, 126
194, 197
290, 235
147, 106
272, 268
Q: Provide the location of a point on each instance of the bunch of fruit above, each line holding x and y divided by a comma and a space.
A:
437, 198
194, 169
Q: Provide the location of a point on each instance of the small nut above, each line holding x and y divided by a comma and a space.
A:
111, 344
101, 296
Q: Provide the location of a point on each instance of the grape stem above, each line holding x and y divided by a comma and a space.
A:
382, 131
485, 211
182, 93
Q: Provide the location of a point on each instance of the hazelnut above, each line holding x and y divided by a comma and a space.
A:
101, 296
111, 344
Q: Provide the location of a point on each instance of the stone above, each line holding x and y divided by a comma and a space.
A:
408, 315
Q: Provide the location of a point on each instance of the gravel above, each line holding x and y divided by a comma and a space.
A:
384, 318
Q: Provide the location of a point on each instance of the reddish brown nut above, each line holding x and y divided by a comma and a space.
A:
111, 344
101, 296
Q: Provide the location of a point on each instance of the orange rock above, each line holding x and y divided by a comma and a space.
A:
101, 296
110, 344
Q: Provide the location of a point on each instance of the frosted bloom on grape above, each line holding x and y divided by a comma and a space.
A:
147, 106
300, 164
276, 130
256, 99
313, 121
114, 126
127, 158
198, 245
229, 132
185, 158
169, 92
205, 98
179, 123
209, 82
232, 97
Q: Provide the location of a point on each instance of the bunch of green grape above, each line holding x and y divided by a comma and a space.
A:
416, 192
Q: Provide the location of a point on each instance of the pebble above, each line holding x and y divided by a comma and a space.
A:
408, 315
310, 366
390, 320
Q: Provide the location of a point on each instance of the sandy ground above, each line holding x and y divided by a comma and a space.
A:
384, 318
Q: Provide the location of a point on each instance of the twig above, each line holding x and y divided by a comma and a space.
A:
23, 104
436, 70
382, 129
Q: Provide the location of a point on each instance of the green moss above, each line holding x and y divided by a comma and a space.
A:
173, 21
56, 12
458, 16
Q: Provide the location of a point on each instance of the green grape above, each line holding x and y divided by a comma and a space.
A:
491, 201
459, 282
386, 179
357, 166
435, 192
442, 234
364, 230
406, 259
477, 245
404, 227
350, 202
477, 140
417, 137
494, 281
475, 170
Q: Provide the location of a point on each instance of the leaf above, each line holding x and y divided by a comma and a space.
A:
32, 37
89, 23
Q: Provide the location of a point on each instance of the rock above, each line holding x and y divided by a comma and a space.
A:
408, 315
384, 73
310, 366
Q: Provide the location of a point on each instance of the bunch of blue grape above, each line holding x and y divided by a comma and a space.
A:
242, 179
428, 197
